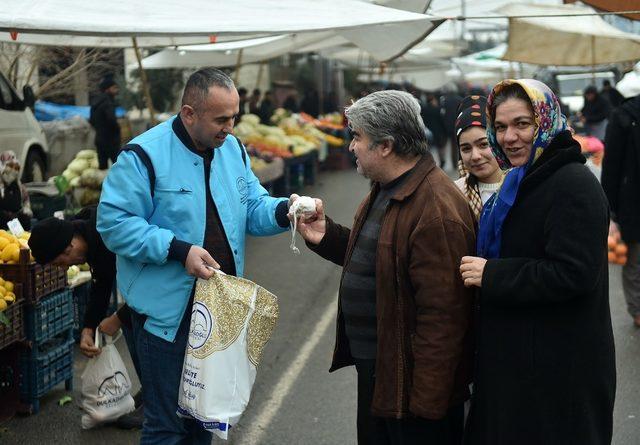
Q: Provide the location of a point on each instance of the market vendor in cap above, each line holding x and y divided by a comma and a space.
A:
67, 243
14, 199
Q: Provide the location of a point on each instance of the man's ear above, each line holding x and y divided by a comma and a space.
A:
386, 148
187, 114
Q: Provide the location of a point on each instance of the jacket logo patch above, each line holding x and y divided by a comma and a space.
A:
241, 185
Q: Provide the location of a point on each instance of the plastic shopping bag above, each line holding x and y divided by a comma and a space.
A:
231, 321
106, 387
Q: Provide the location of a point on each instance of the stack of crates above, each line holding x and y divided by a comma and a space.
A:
48, 323
81, 295
11, 339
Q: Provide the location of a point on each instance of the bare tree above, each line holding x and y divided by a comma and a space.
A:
53, 70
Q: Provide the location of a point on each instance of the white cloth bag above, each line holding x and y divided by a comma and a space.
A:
231, 321
106, 387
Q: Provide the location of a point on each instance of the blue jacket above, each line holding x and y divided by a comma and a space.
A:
139, 226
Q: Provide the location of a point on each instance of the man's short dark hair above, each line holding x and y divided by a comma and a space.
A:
197, 88
242, 91
606, 83
256, 92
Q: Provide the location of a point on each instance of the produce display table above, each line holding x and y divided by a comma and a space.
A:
271, 171
298, 171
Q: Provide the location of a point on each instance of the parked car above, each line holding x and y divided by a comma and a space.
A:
21, 132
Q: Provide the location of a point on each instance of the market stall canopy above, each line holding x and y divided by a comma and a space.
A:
167, 22
559, 39
616, 5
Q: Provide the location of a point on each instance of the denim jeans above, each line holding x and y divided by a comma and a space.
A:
160, 364
131, 345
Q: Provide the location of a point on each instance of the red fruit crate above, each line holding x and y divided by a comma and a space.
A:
14, 332
37, 280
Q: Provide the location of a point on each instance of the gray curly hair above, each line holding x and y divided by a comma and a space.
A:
393, 116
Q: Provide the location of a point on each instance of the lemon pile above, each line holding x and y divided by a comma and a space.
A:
10, 246
7, 296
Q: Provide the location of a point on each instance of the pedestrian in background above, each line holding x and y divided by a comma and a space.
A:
595, 112
254, 102
403, 313
180, 201
545, 371
430, 112
103, 119
480, 174
621, 183
609, 92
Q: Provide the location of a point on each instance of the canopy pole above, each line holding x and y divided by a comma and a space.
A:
238, 65
593, 59
260, 70
145, 83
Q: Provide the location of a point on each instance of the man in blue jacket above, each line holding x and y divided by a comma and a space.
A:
178, 202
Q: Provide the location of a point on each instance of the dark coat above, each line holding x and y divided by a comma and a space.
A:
435, 123
597, 110
103, 270
545, 359
423, 310
621, 168
104, 121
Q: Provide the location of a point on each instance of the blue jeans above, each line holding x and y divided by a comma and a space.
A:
160, 364
131, 345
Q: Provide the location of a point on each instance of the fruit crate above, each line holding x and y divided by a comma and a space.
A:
44, 367
50, 316
37, 280
81, 295
9, 382
15, 331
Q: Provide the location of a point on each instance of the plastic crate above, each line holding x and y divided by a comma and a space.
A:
44, 367
81, 295
44, 206
49, 317
15, 331
37, 280
9, 382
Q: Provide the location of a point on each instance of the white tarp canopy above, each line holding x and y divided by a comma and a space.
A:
398, 38
629, 85
568, 41
166, 22
480, 65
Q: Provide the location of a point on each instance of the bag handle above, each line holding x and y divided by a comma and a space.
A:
108, 339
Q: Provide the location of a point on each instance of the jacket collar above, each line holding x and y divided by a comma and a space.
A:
562, 150
417, 174
179, 129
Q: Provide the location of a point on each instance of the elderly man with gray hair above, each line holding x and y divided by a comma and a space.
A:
403, 314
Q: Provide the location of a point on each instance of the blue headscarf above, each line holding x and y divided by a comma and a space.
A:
549, 122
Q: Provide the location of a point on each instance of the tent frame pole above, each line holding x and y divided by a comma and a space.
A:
145, 83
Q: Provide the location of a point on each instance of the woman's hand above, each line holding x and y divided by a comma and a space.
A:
471, 269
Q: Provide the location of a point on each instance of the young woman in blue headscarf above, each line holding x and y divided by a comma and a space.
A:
545, 370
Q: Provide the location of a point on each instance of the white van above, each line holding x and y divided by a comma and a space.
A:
20, 132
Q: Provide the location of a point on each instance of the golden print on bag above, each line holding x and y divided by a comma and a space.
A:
229, 300
261, 324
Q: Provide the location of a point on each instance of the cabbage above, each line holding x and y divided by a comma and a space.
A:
78, 165
69, 174
87, 154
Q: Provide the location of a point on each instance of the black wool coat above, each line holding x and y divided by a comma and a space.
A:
545, 371
621, 168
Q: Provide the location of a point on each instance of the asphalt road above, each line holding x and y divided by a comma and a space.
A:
295, 399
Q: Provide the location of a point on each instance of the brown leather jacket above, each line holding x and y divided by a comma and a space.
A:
424, 352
